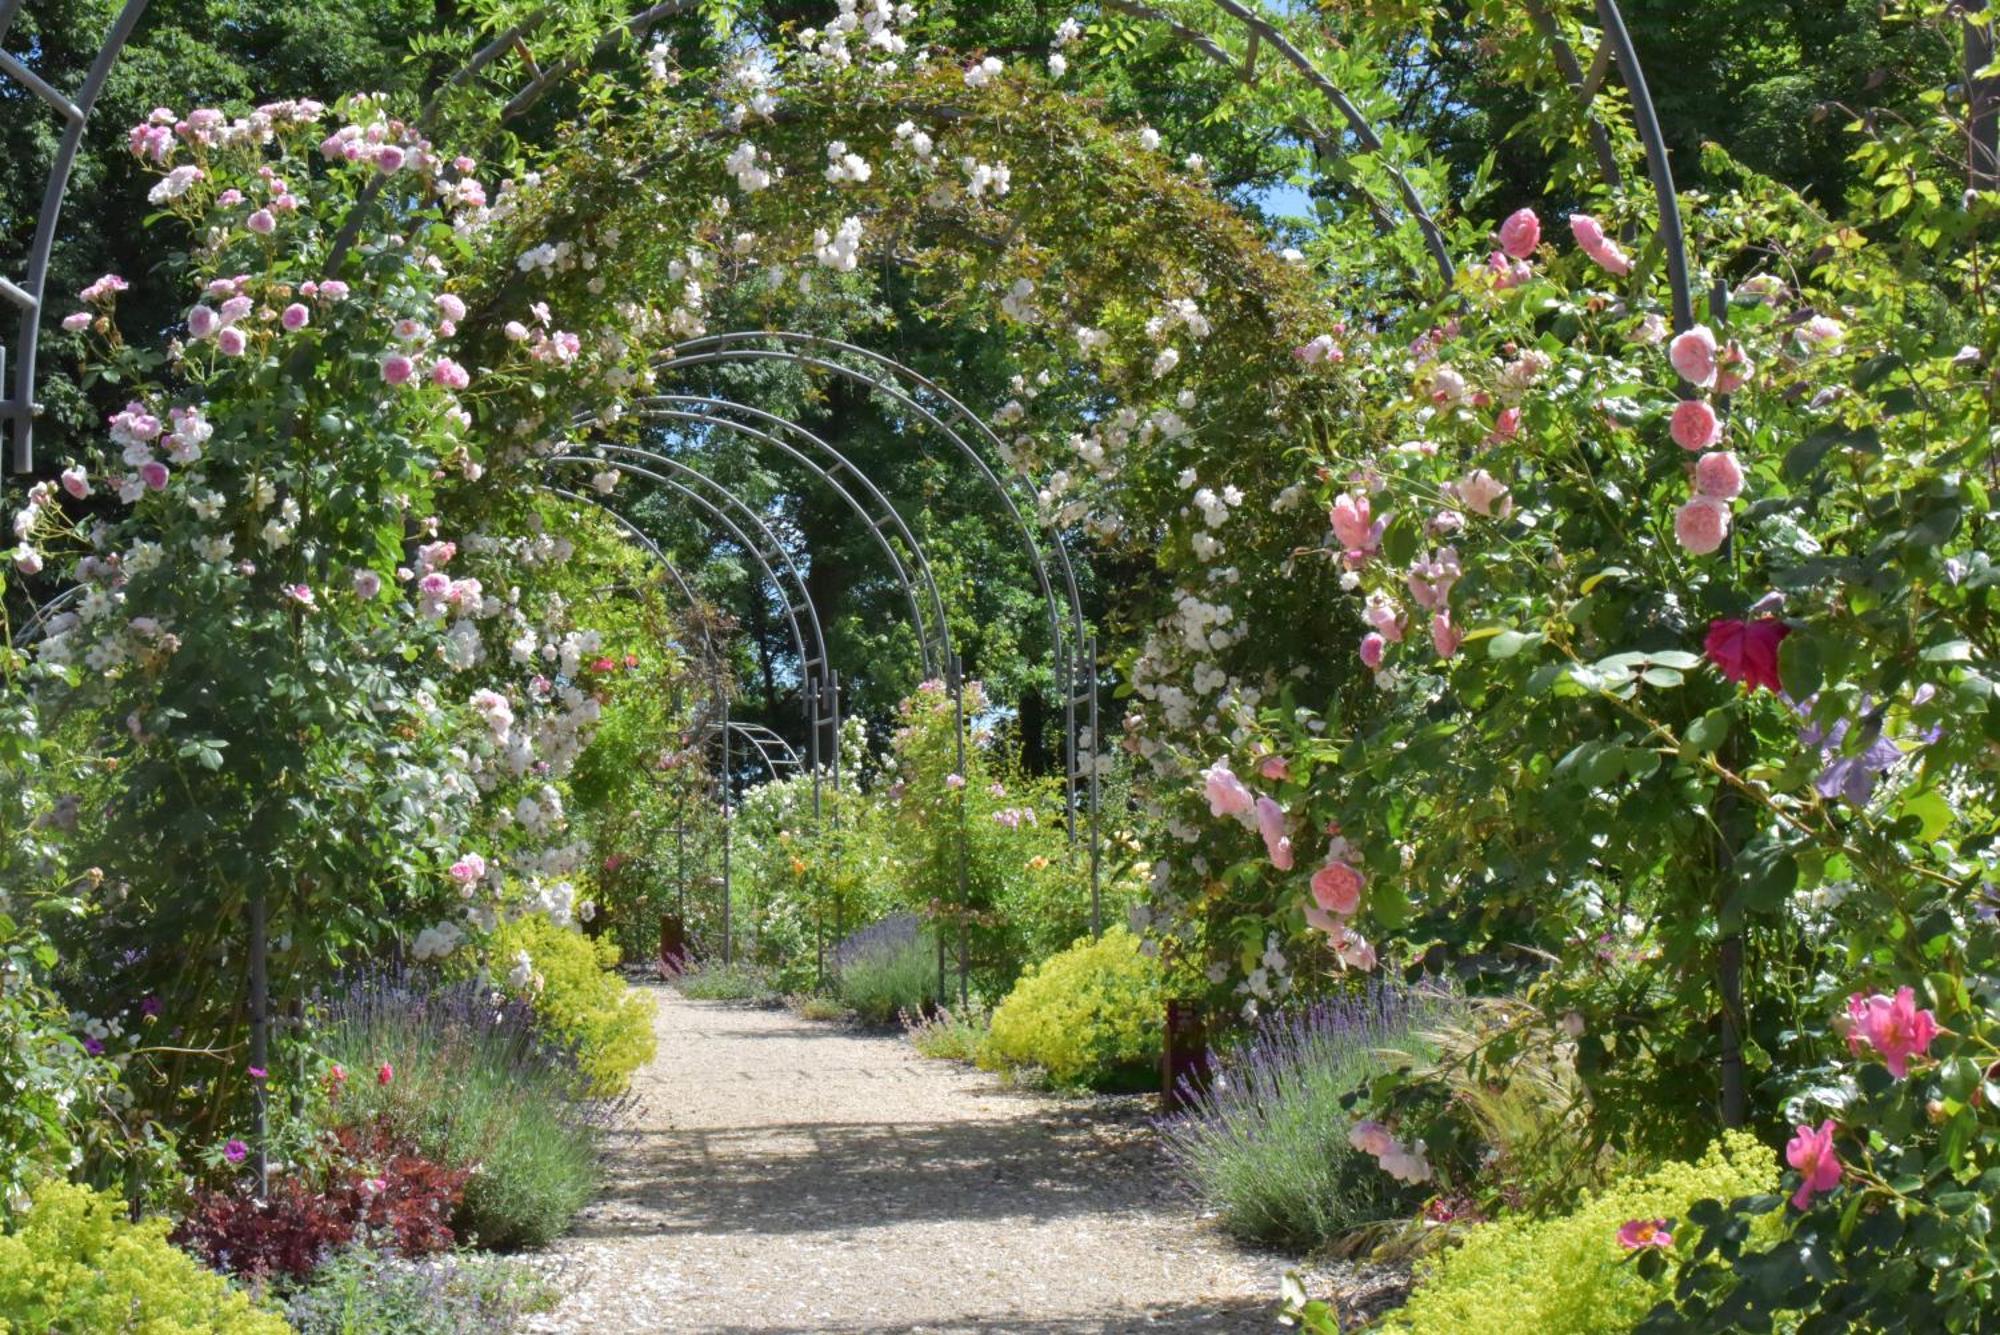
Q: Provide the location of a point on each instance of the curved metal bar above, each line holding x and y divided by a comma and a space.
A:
808, 666
1648, 122
721, 516
726, 347
776, 753
42, 614
873, 524
20, 408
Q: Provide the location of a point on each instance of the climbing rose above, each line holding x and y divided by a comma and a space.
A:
1718, 475
468, 868
1746, 651
1693, 354
76, 322
1694, 425
449, 374
1337, 887
263, 222
1445, 637
1601, 248
1813, 1154
1226, 794
296, 317
1733, 370
396, 368
1271, 824
1275, 768
76, 482
1894, 1027
1520, 234
367, 584
1638, 1234
154, 474
1371, 1138
231, 342
203, 321
1352, 526
1701, 525
1371, 650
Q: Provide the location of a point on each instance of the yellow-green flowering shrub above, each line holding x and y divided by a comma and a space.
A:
579, 999
1090, 1016
1570, 1273
74, 1262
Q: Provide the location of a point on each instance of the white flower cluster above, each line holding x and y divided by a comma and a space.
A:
841, 251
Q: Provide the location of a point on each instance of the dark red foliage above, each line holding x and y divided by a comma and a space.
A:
374, 1188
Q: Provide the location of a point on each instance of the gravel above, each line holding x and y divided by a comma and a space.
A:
788, 1175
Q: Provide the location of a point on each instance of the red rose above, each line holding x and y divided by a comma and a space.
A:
1747, 651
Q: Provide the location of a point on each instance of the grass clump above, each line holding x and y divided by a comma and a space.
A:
1265, 1145
1092, 1017
886, 970
474, 1085
360, 1290
726, 982
1569, 1272
948, 1035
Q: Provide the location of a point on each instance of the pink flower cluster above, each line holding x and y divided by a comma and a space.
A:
1405, 1163
1702, 524
1893, 1026
1590, 238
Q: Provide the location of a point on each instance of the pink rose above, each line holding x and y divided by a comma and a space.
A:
1353, 526
1520, 234
1701, 525
1271, 824
76, 482
1894, 1027
154, 474
1602, 249
1372, 647
203, 322
1506, 426
1638, 1234
1337, 888
397, 369
1275, 768
1226, 794
295, 317
367, 584
1718, 476
263, 222
1732, 369
1445, 637
76, 322
449, 374
1693, 355
1694, 425
1818, 1162
231, 342
389, 159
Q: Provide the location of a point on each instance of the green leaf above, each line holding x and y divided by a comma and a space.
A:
1801, 665
1706, 734
1510, 642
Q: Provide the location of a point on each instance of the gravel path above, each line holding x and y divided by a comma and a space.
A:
787, 1175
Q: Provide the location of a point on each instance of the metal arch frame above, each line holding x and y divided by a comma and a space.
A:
721, 516
934, 647
780, 757
721, 349
18, 406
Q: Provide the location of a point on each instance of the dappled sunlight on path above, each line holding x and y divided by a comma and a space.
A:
786, 1175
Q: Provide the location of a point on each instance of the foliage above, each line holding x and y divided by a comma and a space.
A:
370, 1186
1570, 1272
887, 975
949, 1035
73, 1260
577, 998
727, 982
1266, 1145
361, 1290
475, 1087
1092, 1016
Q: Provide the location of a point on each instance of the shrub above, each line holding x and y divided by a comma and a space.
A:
726, 982
606, 1022
887, 969
1091, 1016
474, 1086
362, 1290
812, 1006
74, 1262
1569, 1272
948, 1035
373, 1186
1266, 1144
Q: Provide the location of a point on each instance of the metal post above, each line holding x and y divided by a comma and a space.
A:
1096, 748
958, 711
260, 1037
728, 889
1647, 121
833, 710
813, 686
1982, 97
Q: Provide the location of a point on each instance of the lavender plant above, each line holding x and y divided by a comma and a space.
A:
467, 1075
1267, 1145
